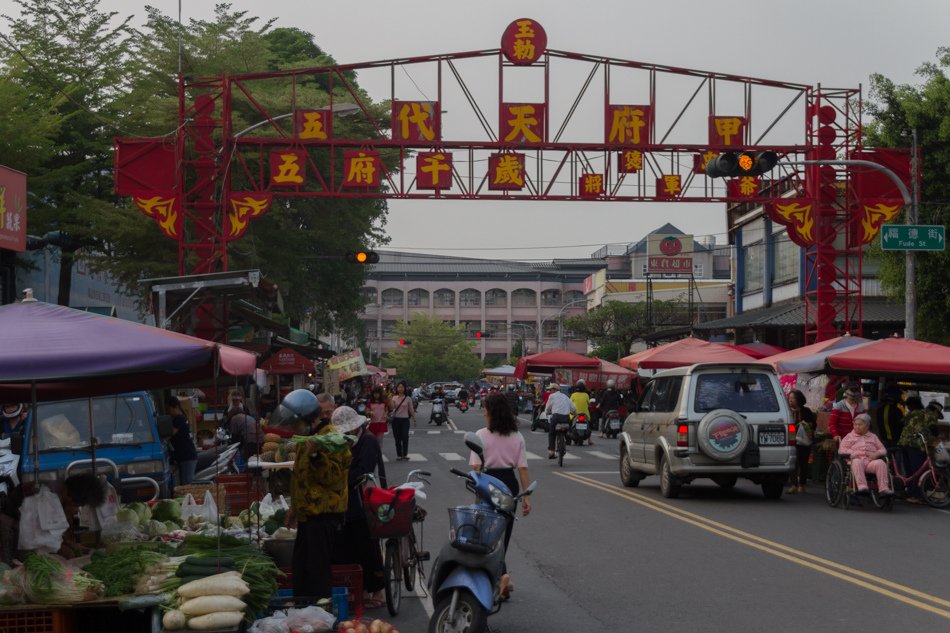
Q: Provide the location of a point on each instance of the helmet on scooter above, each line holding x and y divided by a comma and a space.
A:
611, 384
300, 405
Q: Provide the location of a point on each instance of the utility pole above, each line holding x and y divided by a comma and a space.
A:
910, 278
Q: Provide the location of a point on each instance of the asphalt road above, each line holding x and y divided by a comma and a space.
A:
594, 555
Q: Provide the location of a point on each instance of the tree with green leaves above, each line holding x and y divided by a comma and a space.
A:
616, 325
895, 110
433, 351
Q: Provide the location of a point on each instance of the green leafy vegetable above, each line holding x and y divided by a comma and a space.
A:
167, 510
122, 568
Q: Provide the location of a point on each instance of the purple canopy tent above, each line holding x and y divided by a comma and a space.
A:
67, 353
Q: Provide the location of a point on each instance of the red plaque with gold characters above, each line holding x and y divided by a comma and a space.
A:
743, 187
521, 123
629, 161
12, 209
727, 131
669, 186
288, 168
523, 42
416, 121
700, 161
506, 172
313, 125
591, 185
361, 169
433, 170
628, 124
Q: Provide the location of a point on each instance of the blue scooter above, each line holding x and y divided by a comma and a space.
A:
466, 577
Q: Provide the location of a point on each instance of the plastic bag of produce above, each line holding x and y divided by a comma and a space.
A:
311, 618
276, 623
42, 522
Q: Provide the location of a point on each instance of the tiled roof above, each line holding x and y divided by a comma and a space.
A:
792, 314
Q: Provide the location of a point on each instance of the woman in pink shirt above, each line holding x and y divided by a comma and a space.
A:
866, 450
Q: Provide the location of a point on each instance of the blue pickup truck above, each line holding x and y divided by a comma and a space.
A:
126, 431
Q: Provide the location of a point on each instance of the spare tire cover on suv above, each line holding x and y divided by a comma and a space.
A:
722, 435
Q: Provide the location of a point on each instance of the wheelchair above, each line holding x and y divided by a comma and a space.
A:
841, 491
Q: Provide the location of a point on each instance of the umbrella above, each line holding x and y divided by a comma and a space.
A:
687, 351
811, 358
758, 350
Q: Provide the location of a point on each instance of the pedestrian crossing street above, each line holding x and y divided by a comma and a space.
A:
574, 453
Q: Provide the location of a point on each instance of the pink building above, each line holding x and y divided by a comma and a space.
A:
508, 301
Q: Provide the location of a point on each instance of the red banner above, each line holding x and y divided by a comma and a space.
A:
243, 208
416, 121
144, 164
506, 172
288, 168
629, 161
728, 131
434, 170
591, 185
628, 124
669, 186
524, 41
521, 123
361, 170
12, 209
743, 187
313, 125
164, 208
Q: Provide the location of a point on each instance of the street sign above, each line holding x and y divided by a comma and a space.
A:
913, 237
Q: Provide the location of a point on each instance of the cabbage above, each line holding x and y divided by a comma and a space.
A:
142, 510
128, 516
172, 526
155, 528
167, 510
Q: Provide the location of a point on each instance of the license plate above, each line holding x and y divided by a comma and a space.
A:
771, 438
615, 424
581, 426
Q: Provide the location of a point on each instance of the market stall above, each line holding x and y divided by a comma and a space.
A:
687, 351
287, 369
596, 378
547, 362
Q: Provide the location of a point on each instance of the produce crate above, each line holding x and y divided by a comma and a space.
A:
37, 621
351, 577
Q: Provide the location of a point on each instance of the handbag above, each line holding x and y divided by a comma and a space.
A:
392, 414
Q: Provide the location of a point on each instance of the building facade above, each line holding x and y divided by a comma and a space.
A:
509, 302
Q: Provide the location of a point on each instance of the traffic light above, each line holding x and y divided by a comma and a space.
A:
733, 165
405, 341
480, 334
362, 257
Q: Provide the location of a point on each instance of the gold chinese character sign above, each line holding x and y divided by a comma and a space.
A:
362, 169
523, 42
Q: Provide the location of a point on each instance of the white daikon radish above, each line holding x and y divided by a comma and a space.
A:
227, 584
214, 621
174, 620
203, 605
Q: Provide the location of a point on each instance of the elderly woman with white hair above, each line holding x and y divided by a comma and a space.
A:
866, 453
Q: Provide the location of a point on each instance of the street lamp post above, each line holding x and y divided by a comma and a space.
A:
524, 350
560, 312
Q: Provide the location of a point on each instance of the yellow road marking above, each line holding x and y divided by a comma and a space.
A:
779, 550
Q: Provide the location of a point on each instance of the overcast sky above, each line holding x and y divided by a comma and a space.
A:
838, 43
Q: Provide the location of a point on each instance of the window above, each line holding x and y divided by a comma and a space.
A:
496, 297
524, 297
667, 393
573, 295
443, 298
116, 420
470, 298
738, 391
753, 267
551, 298
370, 328
496, 328
647, 402
787, 258
369, 294
470, 327
389, 329
418, 298
550, 328
526, 329
392, 298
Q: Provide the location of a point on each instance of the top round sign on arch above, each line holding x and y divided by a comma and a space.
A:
524, 42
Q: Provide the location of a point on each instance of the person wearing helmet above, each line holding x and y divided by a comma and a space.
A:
318, 494
581, 400
610, 400
11, 425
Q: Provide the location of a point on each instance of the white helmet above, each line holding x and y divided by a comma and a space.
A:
611, 384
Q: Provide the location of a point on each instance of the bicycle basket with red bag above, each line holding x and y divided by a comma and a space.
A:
389, 511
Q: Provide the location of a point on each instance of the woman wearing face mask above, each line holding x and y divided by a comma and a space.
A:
355, 544
844, 411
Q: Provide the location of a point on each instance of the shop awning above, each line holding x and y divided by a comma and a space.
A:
287, 362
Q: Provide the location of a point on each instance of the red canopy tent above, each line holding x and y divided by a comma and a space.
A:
547, 362
287, 362
597, 378
811, 358
758, 350
687, 351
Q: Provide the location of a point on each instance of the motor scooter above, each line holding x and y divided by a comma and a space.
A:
580, 429
612, 423
462, 405
214, 461
466, 577
438, 414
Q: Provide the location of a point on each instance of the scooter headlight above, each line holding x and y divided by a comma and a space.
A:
501, 499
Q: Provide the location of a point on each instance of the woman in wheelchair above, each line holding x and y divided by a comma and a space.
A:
866, 452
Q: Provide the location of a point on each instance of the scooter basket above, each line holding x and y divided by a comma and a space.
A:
476, 530
389, 511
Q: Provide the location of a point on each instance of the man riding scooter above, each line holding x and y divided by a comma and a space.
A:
610, 400
581, 400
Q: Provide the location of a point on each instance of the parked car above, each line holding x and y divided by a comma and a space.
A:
128, 436
711, 420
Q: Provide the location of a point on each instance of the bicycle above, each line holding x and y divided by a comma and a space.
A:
561, 430
392, 514
934, 481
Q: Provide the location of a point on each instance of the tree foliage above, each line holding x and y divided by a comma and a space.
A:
616, 325
896, 109
83, 77
436, 351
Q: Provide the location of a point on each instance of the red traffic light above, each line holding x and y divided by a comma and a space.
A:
404, 341
478, 335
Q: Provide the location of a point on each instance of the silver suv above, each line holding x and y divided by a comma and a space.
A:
711, 420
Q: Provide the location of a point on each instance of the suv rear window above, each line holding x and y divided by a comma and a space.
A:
747, 392
116, 420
